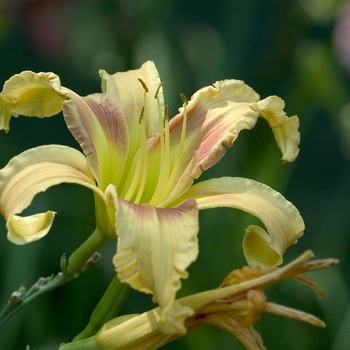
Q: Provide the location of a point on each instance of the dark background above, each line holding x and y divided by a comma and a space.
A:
298, 50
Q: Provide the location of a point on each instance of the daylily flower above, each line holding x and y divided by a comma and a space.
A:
235, 306
141, 167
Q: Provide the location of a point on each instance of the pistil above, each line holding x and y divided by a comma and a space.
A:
168, 174
140, 173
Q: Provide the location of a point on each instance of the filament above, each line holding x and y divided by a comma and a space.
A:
175, 170
164, 137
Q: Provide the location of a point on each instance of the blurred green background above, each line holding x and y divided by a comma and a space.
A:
298, 50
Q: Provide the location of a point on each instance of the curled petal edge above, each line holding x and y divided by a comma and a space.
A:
32, 227
258, 249
32, 172
284, 128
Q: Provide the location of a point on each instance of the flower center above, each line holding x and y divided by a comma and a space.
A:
169, 164
168, 173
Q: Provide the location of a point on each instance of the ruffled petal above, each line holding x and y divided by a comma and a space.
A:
129, 93
32, 95
281, 219
219, 113
30, 173
99, 125
215, 116
155, 247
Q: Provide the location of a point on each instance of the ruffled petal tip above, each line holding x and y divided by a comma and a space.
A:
31, 94
285, 129
22, 230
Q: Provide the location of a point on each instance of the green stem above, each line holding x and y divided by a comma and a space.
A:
78, 262
78, 259
84, 344
18, 301
107, 308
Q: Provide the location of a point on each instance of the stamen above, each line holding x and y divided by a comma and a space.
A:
184, 183
157, 91
164, 150
166, 114
143, 162
143, 84
184, 99
141, 114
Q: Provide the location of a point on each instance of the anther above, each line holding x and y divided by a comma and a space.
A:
158, 88
143, 84
141, 114
166, 113
184, 99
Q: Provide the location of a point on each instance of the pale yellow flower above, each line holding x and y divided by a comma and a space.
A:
141, 167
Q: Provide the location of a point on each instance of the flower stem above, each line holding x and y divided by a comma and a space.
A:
107, 308
77, 261
19, 299
84, 344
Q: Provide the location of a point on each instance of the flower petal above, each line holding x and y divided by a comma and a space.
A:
6, 112
282, 220
215, 116
258, 248
32, 95
99, 125
30, 173
155, 247
127, 90
130, 332
28, 229
284, 129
